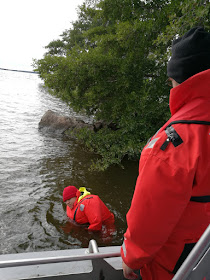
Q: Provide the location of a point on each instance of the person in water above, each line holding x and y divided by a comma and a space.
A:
170, 208
86, 208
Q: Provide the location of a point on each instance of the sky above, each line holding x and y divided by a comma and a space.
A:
27, 26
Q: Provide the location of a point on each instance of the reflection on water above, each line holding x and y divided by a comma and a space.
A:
35, 167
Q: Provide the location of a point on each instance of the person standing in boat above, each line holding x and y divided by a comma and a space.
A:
86, 208
170, 208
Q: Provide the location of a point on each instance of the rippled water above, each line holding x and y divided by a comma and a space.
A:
36, 166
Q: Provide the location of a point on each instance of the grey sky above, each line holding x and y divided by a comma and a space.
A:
27, 26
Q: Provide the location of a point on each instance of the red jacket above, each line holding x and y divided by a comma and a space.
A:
170, 208
90, 210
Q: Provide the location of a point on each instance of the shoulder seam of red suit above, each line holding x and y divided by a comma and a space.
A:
79, 205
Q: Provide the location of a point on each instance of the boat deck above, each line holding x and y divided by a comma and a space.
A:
94, 263
60, 265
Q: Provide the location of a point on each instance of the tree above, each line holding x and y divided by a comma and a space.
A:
112, 64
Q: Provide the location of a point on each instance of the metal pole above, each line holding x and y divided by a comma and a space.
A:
93, 247
194, 257
48, 260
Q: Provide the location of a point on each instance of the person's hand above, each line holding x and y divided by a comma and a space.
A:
128, 272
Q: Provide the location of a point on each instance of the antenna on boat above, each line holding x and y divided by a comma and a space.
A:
24, 71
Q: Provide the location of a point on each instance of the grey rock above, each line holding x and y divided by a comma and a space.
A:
53, 122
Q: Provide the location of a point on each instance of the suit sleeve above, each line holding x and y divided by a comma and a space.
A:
162, 192
94, 214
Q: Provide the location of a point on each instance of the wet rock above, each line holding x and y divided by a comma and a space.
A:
54, 122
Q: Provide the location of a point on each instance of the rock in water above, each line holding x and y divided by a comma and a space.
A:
54, 122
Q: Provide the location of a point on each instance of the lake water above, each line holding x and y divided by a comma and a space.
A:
36, 166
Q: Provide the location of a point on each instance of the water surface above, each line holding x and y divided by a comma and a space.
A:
36, 166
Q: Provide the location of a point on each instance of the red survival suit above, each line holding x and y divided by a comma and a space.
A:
170, 208
90, 210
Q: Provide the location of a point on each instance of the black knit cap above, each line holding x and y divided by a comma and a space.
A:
190, 55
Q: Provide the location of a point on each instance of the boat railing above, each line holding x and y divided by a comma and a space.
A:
197, 265
93, 247
90, 254
84, 264
95, 263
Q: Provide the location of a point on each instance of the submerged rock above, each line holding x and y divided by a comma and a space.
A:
53, 122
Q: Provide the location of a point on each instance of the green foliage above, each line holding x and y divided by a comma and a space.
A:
112, 65
189, 14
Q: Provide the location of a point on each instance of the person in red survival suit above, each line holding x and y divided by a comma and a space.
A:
86, 208
170, 208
